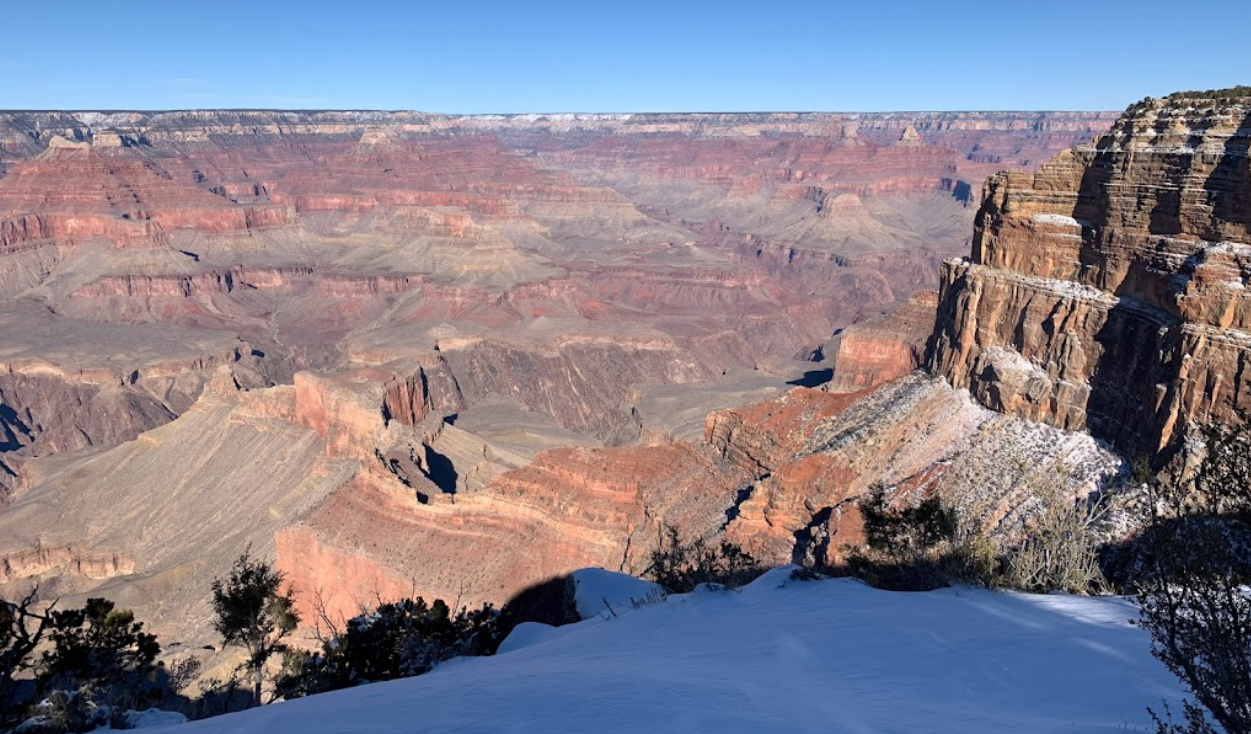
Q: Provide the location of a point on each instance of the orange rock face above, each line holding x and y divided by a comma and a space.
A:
759, 438
815, 454
884, 348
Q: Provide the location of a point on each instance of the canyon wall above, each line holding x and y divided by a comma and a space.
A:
1106, 291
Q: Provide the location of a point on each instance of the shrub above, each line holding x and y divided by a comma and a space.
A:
904, 533
974, 561
63, 712
397, 640
103, 653
1061, 549
1193, 596
1199, 617
805, 574
653, 597
679, 567
1222, 483
919, 547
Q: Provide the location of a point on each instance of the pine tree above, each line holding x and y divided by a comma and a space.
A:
254, 613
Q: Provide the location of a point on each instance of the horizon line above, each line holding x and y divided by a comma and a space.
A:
120, 110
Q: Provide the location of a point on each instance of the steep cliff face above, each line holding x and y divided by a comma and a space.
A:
1107, 291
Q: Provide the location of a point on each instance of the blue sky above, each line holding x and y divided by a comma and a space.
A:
461, 56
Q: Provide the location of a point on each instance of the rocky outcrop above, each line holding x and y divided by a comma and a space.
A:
429, 389
910, 138
1106, 291
27, 231
758, 438
568, 509
814, 454
580, 381
64, 560
884, 348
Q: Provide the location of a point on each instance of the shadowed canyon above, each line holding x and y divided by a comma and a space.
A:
458, 356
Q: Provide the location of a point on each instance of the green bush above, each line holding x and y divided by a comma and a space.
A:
103, 651
397, 640
679, 567
905, 532
919, 547
96, 664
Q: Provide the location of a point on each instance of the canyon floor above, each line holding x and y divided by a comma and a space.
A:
458, 356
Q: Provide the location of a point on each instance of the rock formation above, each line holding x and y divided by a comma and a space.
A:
732, 240
813, 454
884, 348
1105, 292
910, 138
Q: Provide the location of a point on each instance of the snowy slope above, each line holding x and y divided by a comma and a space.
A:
597, 591
826, 656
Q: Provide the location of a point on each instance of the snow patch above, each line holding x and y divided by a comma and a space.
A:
153, 718
597, 591
1010, 360
1237, 249
1056, 219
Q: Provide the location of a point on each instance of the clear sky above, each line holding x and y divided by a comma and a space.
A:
462, 56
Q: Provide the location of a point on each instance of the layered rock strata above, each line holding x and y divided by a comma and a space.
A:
884, 348
814, 454
1105, 292
333, 239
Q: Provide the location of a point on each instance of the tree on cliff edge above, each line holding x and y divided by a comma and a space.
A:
254, 613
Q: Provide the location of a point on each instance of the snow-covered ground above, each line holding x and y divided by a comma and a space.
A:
778, 656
